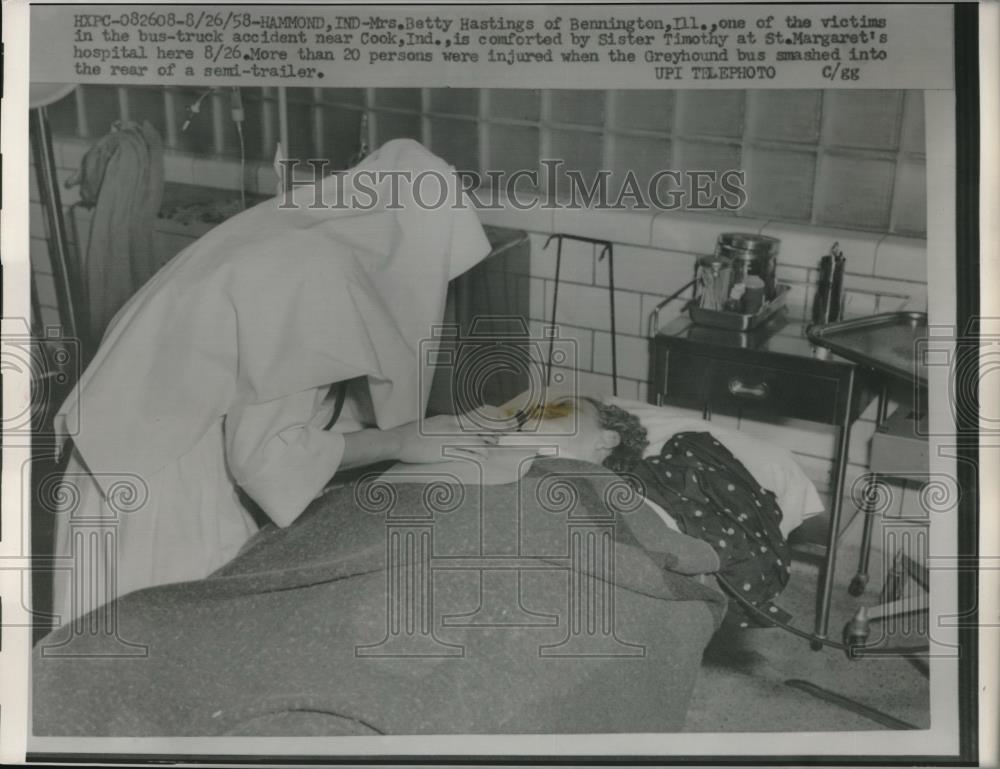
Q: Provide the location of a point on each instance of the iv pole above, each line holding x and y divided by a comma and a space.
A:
64, 270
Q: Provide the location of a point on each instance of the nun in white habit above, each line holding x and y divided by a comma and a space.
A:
218, 375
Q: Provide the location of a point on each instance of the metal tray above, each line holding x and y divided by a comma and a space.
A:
886, 342
735, 321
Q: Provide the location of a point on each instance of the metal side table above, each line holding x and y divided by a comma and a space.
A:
772, 371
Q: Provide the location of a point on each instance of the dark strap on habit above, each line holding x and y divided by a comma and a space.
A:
339, 405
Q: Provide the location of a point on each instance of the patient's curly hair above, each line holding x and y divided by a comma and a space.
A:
633, 441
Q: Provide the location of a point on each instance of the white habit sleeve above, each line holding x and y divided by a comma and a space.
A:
279, 455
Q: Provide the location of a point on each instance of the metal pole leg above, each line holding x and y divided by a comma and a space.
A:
609, 249
555, 304
829, 567
869, 509
68, 281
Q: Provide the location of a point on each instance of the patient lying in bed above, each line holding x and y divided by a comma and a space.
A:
584, 429
558, 432
693, 483
533, 607
309, 607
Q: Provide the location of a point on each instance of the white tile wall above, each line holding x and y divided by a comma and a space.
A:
539, 293
577, 260
798, 298
618, 226
885, 273
589, 306
883, 285
533, 219
803, 245
575, 344
904, 258
857, 304
597, 385
696, 233
647, 270
178, 167
69, 152
668, 312
213, 172
791, 274
632, 354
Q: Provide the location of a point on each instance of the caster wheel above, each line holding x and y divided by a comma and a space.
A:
858, 585
856, 633
816, 646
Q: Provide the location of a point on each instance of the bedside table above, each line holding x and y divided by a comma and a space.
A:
772, 371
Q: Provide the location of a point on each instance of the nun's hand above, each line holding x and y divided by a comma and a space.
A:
447, 437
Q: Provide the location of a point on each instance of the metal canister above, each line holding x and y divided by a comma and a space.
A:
751, 255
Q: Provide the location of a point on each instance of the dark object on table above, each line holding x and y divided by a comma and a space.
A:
751, 255
821, 301
754, 295
837, 284
828, 304
886, 342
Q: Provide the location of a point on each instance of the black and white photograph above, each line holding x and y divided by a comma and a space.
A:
552, 381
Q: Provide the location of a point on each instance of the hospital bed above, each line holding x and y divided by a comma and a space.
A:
374, 614
559, 604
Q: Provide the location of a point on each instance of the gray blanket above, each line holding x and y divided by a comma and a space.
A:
557, 604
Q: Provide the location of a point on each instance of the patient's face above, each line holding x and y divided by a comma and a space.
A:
580, 435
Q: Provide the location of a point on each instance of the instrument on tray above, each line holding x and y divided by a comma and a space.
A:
714, 282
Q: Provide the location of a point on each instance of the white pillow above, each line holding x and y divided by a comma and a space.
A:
773, 467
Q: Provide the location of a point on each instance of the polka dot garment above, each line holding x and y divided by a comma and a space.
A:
712, 496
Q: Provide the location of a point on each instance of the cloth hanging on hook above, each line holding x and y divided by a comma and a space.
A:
121, 179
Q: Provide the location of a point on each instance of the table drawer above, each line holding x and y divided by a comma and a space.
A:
730, 386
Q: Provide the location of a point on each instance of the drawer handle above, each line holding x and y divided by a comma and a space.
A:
757, 392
